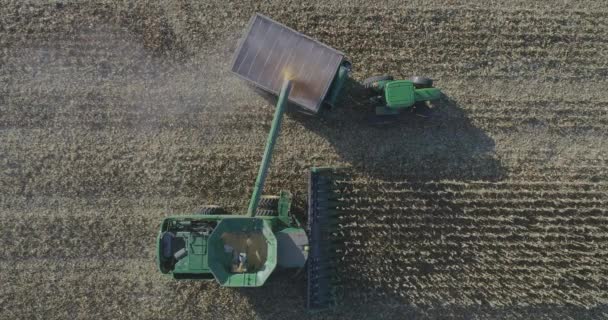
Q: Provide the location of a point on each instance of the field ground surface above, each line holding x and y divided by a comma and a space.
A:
115, 114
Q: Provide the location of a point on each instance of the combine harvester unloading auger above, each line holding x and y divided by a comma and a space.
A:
243, 250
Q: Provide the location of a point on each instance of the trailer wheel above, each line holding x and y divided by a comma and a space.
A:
266, 213
211, 210
422, 82
371, 81
348, 65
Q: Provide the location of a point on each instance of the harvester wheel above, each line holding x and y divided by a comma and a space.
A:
269, 202
422, 82
371, 81
211, 210
266, 213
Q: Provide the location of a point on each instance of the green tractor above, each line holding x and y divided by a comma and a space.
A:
391, 97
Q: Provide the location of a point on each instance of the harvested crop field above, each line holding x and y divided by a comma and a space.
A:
115, 114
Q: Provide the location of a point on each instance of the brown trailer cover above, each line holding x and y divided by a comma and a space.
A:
269, 52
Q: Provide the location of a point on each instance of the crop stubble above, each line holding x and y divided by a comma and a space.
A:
114, 115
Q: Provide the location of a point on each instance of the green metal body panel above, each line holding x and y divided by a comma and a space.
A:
399, 94
427, 94
196, 260
270, 142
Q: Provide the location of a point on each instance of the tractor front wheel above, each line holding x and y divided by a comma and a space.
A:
422, 82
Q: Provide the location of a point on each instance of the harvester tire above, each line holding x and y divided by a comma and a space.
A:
269, 202
369, 82
422, 82
266, 213
211, 210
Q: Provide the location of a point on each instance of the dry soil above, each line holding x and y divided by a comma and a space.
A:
115, 114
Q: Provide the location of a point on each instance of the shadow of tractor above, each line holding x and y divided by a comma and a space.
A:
445, 145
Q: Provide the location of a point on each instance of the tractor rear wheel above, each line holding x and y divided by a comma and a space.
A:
371, 81
422, 82
211, 210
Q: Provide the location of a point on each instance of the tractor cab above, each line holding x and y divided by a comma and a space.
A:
391, 96
399, 94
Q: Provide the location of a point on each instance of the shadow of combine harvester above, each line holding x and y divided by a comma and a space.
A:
397, 222
385, 225
415, 222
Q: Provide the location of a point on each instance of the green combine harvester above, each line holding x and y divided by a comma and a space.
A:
236, 250
243, 250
